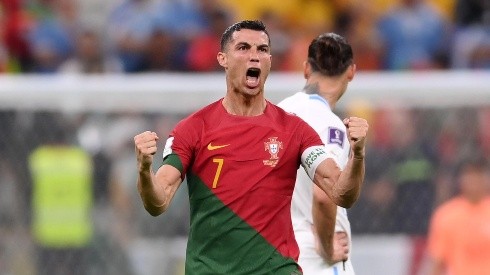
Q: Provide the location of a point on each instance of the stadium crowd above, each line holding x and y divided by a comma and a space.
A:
47, 36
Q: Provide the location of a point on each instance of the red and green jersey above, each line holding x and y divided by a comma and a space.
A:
240, 174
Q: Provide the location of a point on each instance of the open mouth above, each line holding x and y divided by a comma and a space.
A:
253, 77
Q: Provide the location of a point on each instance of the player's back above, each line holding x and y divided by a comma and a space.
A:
315, 111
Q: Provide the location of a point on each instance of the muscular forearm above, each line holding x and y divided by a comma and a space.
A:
157, 190
349, 183
153, 197
348, 186
324, 213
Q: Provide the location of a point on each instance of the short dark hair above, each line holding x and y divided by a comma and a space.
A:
472, 163
330, 54
255, 25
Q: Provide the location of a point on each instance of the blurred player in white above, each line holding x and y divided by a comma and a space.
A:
322, 229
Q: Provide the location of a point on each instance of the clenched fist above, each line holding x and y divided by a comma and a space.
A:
145, 145
357, 129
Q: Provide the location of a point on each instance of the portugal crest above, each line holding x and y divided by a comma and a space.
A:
273, 146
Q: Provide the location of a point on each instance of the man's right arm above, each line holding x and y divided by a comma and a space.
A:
156, 190
343, 187
438, 243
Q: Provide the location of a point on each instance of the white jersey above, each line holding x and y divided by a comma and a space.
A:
316, 111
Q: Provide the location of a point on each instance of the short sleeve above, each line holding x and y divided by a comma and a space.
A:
336, 144
309, 137
181, 144
312, 149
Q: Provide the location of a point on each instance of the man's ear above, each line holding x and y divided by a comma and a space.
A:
222, 59
306, 69
351, 71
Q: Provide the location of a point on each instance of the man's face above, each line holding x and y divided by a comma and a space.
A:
247, 61
474, 183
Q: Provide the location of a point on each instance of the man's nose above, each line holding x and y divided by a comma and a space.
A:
254, 54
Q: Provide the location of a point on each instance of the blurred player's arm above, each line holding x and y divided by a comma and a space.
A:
333, 247
438, 243
156, 189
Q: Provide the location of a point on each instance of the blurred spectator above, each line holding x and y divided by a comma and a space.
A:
459, 239
388, 35
94, 14
61, 201
446, 8
472, 36
4, 56
280, 38
373, 213
298, 13
300, 40
17, 24
472, 12
183, 18
130, 26
472, 48
401, 169
410, 167
358, 24
39, 8
90, 57
380, 7
448, 146
163, 53
187, 25
484, 130
455, 138
52, 39
201, 55
414, 37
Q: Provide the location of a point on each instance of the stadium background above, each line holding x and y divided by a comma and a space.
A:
101, 71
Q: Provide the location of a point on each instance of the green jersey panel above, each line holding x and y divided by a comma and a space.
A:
220, 242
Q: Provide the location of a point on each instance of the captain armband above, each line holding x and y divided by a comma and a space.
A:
168, 147
312, 157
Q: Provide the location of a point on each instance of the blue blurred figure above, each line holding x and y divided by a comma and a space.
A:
414, 37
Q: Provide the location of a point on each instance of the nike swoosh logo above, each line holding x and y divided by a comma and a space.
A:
214, 147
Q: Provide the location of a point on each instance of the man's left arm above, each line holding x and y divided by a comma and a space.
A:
332, 246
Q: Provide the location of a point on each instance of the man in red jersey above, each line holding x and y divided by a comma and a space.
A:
240, 155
